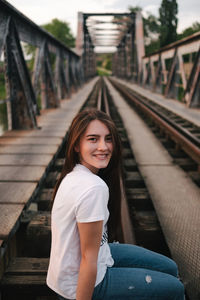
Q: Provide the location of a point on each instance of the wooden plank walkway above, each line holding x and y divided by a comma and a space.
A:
25, 155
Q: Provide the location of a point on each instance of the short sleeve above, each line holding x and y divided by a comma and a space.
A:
92, 205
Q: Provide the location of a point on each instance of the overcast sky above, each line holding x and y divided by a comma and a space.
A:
43, 11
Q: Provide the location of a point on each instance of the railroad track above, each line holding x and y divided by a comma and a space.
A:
180, 137
25, 275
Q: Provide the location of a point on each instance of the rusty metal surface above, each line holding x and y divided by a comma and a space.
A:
176, 200
185, 41
9, 216
25, 160
193, 83
19, 149
120, 34
177, 74
30, 140
127, 61
21, 173
29, 31
19, 88
22, 91
17, 192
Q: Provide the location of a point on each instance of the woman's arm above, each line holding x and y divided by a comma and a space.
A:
90, 239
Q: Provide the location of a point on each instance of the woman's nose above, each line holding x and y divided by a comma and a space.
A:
102, 145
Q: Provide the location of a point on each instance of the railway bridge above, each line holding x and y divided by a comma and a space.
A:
154, 101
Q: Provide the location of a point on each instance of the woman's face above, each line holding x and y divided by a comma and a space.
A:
95, 147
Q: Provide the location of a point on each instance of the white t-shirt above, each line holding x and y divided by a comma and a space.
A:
81, 197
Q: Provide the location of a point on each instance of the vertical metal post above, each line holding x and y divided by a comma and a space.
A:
139, 39
22, 105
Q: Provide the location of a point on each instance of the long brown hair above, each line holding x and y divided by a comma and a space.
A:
111, 174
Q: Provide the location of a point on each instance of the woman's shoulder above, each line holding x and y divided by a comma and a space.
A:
81, 184
83, 177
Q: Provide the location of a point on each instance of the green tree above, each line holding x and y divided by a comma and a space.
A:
168, 22
135, 9
61, 31
151, 28
189, 30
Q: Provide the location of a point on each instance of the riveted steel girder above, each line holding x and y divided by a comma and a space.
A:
22, 92
21, 106
90, 35
180, 78
130, 50
192, 92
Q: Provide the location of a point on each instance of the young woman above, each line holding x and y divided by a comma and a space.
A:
83, 265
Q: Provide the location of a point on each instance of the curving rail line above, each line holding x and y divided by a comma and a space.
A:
185, 134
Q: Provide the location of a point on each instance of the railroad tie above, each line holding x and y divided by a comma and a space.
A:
25, 277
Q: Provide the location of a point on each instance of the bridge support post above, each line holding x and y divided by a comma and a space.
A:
192, 92
60, 77
43, 70
139, 43
22, 105
130, 51
85, 48
157, 84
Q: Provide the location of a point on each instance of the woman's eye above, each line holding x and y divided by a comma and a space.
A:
109, 139
92, 139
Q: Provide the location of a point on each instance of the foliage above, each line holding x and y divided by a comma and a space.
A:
151, 27
61, 31
104, 61
103, 72
153, 46
190, 30
168, 22
135, 9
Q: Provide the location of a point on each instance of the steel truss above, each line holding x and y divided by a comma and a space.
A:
52, 81
174, 70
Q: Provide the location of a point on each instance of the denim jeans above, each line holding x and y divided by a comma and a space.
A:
139, 274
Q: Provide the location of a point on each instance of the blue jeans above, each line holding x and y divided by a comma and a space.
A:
139, 274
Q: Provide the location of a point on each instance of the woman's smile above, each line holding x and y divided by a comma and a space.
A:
101, 156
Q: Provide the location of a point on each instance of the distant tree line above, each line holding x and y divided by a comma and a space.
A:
161, 31
62, 31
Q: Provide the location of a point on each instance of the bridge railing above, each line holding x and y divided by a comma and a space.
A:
174, 70
57, 69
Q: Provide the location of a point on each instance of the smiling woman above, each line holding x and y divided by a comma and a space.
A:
95, 147
86, 215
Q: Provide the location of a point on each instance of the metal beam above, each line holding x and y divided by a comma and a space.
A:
21, 92
28, 31
22, 105
181, 79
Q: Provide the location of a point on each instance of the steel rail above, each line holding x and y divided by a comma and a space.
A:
127, 229
173, 130
152, 106
106, 105
99, 100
